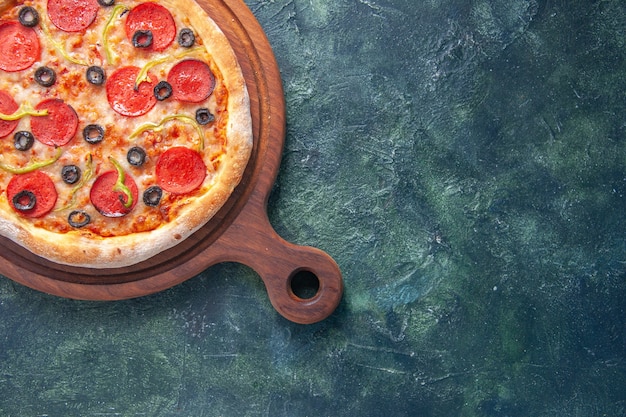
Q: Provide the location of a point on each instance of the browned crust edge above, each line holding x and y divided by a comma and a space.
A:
75, 249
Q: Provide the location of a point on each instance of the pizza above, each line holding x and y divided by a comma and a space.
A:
124, 127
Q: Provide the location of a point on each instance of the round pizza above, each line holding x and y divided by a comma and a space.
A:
124, 127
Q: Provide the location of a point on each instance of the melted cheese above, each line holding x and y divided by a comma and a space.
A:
90, 103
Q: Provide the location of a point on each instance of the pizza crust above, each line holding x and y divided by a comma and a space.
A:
83, 249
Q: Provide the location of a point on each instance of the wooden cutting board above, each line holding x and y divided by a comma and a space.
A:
240, 232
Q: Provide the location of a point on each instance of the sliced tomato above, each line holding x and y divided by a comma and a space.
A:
72, 15
58, 127
154, 18
7, 106
124, 98
191, 81
109, 202
19, 46
180, 170
36, 189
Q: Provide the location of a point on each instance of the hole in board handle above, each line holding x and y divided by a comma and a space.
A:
304, 284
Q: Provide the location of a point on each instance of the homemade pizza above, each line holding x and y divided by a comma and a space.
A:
124, 127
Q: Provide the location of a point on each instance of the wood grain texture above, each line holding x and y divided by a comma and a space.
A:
240, 232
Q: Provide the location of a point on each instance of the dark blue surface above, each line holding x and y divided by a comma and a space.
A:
464, 163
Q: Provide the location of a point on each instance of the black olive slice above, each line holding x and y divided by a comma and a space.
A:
163, 90
136, 156
204, 116
95, 75
70, 174
186, 38
93, 133
23, 140
142, 39
78, 218
28, 16
45, 76
106, 3
24, 200
152, 196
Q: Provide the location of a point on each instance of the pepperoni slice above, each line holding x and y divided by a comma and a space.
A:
7, 106
34, 189
180, 170
19, 46
155, 18
191, 80
58, 127
72, 15
106, 200
123, 97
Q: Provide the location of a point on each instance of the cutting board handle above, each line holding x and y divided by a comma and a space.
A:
304, 284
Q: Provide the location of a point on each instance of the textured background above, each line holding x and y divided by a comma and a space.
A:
463, 161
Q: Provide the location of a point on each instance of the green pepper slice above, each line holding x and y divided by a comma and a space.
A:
119, 9
34, 166
24, 110
87, 175
159, 126
119, 184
